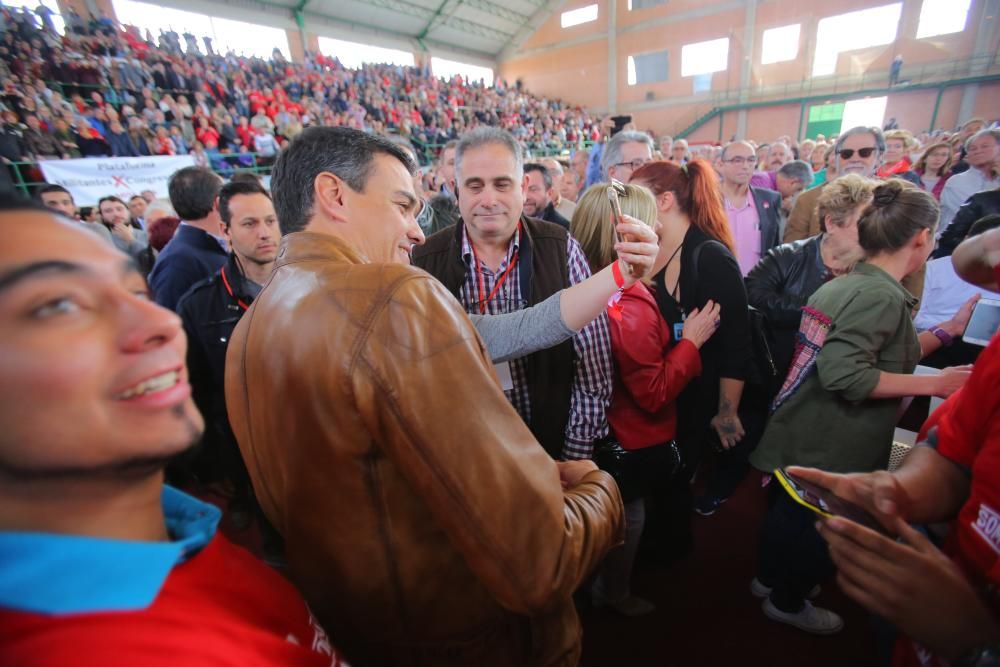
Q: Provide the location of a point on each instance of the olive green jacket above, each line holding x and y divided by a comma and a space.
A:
830, 422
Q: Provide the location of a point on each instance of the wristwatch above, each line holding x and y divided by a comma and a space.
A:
943, 336
985, 656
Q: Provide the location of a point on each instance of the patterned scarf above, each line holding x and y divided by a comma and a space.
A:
813, 330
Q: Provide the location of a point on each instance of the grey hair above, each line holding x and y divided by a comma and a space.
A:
347, 153
797, 170
991, 131
725, 149
612, 154
861, 129
484, 136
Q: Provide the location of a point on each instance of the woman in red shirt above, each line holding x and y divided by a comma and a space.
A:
652, 366
207, 135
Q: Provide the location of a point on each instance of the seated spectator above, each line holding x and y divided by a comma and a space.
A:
104, 564
934, 168
537, 204
839, 403
266, 146
64, 135
40, 144
90, 142
120, 142
164, 144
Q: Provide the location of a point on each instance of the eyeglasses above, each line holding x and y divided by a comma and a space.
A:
634, 164
848, 153
740, 161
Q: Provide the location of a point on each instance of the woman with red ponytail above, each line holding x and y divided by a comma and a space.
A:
696, 264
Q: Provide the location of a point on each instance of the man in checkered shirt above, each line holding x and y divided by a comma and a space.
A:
497, 260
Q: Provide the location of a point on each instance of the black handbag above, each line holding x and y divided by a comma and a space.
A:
636, 471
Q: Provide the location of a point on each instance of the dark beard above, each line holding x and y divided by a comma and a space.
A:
125, 469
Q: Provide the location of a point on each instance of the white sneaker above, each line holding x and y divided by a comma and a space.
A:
811, 619
759, 590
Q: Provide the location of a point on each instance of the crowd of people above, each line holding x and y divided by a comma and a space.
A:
106, 90
448, 403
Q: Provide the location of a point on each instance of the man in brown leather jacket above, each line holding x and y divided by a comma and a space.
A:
423, 522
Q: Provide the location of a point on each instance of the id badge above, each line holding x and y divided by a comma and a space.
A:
503, 373
679, 329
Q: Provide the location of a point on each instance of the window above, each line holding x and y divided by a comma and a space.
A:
353, 55
648, 68
942, 17
577, 16
240, 37
57, 19
446, 69
635, 5
780, 44
869, 112
705, 57
855, 30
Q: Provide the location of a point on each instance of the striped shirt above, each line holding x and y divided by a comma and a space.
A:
591, 389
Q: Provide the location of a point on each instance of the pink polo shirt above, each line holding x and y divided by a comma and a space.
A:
745, 225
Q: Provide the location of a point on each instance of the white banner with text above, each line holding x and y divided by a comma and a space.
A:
89, 179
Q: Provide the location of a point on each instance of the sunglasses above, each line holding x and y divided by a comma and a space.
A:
848, 153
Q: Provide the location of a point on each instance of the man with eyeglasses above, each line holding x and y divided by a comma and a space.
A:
754, 213
625, 152
858, 151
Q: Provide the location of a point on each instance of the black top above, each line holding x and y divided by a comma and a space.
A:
550, 214
728, 353
975, 207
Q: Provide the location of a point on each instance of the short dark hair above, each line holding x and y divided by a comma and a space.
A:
245, 177
541, 169
11, 201
343, 151
134, 197
234, 189
109, 198
48, 189
193, 191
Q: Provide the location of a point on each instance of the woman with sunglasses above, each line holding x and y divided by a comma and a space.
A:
838, 407
652, 367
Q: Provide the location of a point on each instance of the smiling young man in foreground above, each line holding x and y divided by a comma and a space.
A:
100, 563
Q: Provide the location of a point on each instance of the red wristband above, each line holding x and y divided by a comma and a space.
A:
615, 308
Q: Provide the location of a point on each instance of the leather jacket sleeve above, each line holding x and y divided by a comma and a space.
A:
767, 289
427, 393
955, 233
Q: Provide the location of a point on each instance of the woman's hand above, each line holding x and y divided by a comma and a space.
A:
955, 327
701, 324
637, 249
729, 428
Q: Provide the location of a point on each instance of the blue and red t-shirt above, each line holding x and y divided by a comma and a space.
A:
196, 600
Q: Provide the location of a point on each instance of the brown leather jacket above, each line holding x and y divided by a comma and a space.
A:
423, 522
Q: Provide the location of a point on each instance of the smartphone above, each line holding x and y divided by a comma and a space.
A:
824, 502
620, 123
984, 322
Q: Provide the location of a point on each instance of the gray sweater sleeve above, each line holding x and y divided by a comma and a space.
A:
513, 335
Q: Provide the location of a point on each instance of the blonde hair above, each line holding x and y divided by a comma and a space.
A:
902, 135
591, 224
843, 196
